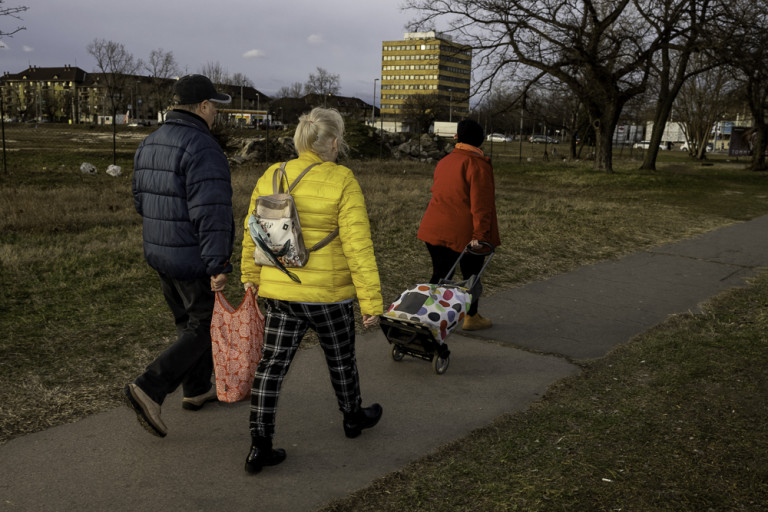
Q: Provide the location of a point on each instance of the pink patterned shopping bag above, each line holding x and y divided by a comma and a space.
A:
237, 336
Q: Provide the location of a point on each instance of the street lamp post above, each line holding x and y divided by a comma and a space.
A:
136, 112
373, 103
520, 158
381, 122
2, 123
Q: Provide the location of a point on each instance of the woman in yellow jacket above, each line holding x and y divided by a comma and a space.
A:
327, 197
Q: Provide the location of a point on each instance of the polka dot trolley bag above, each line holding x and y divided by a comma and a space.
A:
439, 307
420, 320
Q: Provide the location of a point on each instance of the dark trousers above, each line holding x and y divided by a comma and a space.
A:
443, 259
284, 327
188, 361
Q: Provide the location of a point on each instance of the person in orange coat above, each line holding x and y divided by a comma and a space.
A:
462, 212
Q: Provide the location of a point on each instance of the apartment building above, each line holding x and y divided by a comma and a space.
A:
41, 93
69, 94
429, 69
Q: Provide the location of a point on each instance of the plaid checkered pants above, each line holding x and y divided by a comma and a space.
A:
284, 327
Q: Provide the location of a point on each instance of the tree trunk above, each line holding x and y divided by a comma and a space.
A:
758, 151
604, 126
603, 152
663, 108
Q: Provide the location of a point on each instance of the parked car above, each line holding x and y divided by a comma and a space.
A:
684, 147
541, 139
645, 144
498, 137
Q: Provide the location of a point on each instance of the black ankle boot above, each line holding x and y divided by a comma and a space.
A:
262, 454
363, 417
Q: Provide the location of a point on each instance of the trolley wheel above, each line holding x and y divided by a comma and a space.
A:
440, 364
397, 354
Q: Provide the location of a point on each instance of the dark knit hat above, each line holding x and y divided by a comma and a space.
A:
194, 89
469, 132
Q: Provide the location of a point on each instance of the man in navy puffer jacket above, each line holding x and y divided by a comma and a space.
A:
182, 189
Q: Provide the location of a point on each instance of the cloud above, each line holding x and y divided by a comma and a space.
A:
254, 54
28, 48
315, 39
3, 46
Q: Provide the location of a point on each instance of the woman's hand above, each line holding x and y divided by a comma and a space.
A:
370, 320
250, 286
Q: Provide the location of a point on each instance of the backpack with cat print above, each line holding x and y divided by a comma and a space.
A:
275, 228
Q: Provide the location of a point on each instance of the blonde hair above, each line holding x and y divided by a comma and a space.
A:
317, 131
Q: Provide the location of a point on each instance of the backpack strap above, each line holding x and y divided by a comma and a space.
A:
277, 179
277, 187
305, 171
325, 241
280, 173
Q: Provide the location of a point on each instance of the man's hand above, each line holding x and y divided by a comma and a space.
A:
218, 282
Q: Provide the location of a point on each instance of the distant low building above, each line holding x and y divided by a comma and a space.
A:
42, 94
288, 110
70, 94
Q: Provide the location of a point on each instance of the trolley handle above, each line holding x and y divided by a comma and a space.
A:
480, 252
467, 249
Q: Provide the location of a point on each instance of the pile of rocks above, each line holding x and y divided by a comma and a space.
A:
424, 148
260, 149
427, 148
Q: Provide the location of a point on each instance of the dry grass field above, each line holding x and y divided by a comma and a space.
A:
81, 314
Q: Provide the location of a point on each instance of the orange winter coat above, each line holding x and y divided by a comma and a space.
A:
463, 204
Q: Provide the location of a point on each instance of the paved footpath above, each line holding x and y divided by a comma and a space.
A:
107, 462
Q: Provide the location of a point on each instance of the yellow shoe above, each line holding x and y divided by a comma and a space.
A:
476, 322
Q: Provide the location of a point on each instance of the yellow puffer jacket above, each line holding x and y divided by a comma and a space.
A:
326, 197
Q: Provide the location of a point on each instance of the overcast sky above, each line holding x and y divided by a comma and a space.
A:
273, 42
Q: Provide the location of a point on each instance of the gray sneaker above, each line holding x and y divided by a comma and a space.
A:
195, 403
147, 410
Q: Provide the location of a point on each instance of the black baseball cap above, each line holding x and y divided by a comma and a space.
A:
193, 89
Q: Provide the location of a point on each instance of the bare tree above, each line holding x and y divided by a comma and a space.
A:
747, 53
239, 79
700, 105
161, 64
494, 111
420, 111
22, 104
117, 66
295, 90
12, 12
690, 22
161, 68
600, 50
215, 72
323, 83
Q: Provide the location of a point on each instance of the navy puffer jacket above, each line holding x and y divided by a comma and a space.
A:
182, 188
